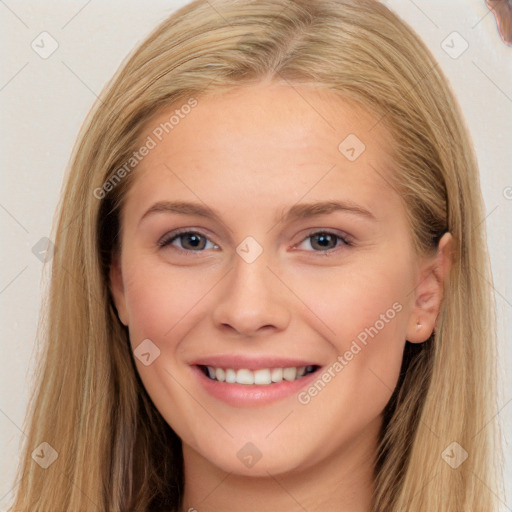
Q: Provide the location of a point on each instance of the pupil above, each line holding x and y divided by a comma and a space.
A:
193, 241
324, 240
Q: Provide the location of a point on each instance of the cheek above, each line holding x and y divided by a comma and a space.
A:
350, 300
366, 315
364, 311
160, 298
163, 305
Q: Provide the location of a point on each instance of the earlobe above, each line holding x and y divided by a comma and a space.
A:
117, 289
429, 292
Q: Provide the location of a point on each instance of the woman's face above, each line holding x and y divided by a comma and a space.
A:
262, 239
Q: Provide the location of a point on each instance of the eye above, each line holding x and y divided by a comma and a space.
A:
188, 241
192, 241
324, 241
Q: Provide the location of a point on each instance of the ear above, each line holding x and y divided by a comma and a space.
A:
117, 288
429, 291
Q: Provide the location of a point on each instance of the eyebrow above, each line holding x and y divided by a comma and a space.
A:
294, 213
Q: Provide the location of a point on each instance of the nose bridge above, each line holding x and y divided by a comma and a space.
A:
251, 297
251, 278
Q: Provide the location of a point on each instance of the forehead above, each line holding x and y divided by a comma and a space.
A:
266, 141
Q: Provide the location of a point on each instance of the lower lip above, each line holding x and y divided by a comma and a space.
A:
240, 395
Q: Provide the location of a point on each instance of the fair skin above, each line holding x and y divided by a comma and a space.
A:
250, 155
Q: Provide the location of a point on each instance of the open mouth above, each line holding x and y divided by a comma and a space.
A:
263, 376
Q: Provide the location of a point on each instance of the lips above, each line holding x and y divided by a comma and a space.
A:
243, 381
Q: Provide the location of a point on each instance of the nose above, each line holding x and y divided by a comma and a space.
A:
252, 300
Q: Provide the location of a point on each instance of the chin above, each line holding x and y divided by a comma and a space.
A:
255, 459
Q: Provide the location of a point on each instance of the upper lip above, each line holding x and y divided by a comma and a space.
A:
237, 362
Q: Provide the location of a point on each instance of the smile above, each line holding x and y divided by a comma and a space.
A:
262, 377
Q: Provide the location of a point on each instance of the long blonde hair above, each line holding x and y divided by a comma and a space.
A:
115, 451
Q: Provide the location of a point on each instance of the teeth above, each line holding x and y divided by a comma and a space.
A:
262, 377
230, 375
244, 377
277, 375
289, 374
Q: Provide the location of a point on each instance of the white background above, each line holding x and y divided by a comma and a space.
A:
44, 101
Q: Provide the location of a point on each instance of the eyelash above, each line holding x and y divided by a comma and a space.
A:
171, 237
